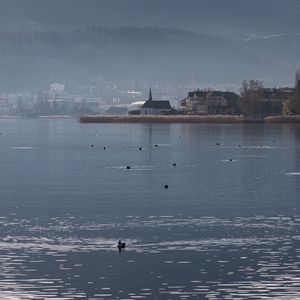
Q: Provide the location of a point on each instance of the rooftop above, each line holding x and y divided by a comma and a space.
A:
158, 104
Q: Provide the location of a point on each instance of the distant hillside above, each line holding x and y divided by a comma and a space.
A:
176, 41
31, 60
218, 17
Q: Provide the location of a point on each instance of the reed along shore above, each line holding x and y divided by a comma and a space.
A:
283, 119
165, 119
186, 119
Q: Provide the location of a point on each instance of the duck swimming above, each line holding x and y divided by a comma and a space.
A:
121, 245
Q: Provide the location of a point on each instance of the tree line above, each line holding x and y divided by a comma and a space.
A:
251, 100
94, 35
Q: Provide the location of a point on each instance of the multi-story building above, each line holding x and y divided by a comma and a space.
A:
203, 102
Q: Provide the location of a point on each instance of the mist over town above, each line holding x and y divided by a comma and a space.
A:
88, 58
149, 149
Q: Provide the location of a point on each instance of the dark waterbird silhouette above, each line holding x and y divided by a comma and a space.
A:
121, 245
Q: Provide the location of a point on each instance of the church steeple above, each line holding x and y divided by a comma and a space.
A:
150, 95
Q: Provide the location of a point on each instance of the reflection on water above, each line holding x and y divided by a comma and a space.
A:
176, 257
226, 228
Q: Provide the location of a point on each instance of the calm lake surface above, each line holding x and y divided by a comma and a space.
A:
227, 226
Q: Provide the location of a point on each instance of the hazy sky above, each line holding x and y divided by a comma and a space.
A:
217, 16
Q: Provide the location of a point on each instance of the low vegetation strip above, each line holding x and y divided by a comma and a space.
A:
187, 119
283, 119
168, 119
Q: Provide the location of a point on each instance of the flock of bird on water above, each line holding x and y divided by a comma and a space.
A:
121, 245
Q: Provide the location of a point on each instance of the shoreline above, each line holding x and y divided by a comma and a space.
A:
186, 119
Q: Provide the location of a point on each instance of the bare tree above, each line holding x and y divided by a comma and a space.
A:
251, 94
297, 92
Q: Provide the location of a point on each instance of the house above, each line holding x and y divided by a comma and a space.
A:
156, 107
273, 99
206, 102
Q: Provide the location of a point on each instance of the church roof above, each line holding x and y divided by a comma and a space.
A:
157, 104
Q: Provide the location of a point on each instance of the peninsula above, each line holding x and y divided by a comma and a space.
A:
187, 119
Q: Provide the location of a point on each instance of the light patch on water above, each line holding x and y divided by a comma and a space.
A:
132, 168
157, 145
229, 160
253, 255
252, 156
293, 174
258, 147
23, 147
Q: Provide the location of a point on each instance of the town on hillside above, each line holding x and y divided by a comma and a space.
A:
254, 100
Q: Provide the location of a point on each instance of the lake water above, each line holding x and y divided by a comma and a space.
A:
227, 226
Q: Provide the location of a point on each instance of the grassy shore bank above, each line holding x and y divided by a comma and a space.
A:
283, 119
165, 119
186, 119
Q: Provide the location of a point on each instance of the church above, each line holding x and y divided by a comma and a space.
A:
156, 107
